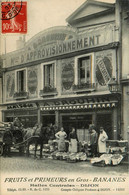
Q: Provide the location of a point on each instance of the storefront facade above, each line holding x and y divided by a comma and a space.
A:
63, 75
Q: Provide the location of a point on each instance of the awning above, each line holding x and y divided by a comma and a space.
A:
78, 106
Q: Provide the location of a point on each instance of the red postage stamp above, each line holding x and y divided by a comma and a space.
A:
14, 17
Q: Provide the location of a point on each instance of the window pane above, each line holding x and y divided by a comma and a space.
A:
84, 70
49, 75
21, 80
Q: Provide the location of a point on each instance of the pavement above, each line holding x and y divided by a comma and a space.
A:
47, 165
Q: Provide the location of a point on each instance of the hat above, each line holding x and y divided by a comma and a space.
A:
91, 126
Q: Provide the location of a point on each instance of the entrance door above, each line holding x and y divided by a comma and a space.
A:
105, 120
81, 124
47, 119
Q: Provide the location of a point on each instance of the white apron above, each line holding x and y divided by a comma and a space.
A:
73, 146
102, 142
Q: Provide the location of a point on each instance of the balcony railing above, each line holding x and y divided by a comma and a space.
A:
21, 95
48, 91
85, 87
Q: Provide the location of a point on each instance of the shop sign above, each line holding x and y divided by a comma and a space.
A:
51, 38
32, 81
67, 76
57, 49
104, 69
80, 101
89, 39
22, 106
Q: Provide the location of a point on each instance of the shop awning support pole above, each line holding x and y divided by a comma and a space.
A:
115, 124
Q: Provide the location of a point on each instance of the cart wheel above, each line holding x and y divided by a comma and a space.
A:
1, 150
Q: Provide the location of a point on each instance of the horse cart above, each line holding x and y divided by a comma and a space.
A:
17, 138
18, 141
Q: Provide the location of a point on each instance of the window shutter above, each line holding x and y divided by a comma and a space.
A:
18, 82
45, 76
79, 72
52, 75
24, 80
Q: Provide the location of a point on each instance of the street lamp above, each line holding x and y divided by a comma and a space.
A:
113, 85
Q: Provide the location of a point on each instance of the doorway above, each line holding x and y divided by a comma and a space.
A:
105, 120
47, 119
80, 122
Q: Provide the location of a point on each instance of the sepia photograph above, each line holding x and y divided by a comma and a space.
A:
64, 97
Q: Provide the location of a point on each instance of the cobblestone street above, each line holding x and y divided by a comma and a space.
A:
29, 164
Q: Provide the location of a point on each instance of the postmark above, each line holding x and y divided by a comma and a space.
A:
14, 17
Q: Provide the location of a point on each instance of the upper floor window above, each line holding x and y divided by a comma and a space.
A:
21, 80
84, 70
49, 75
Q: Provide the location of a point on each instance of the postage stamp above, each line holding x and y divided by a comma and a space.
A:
14, 17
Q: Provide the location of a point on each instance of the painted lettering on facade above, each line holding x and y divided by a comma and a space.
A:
104, 69
57, 43
58, 49
80, 101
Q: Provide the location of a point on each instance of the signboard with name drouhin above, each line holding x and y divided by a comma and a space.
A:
59, 41
81, 103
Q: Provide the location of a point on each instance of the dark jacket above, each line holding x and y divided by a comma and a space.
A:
7, 137
93, 137
73, 136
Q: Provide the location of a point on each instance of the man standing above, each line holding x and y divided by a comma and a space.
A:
7, 141
17, 125
93, 139
102, 141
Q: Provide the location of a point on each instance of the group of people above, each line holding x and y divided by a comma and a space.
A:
96, 143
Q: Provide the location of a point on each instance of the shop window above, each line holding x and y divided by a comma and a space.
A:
21, 80
48, 71
84, 70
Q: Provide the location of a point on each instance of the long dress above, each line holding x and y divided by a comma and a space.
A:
102, 142
61, 135
73, 142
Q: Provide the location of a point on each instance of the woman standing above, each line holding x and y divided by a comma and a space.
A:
102, 141
61, 135
73, 141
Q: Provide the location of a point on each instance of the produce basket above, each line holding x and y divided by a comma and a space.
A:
112, 143
98, 162
72, 158
116, 159
81, 156
123, 143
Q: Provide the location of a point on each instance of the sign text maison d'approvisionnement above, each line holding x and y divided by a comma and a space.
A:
59, 47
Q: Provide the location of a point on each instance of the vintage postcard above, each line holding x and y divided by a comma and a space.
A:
64, 97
